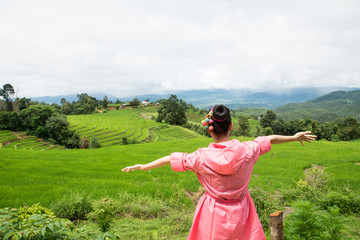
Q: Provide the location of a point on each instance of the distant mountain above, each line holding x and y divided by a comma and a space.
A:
233, 98
337, 104
70, 98
243, 98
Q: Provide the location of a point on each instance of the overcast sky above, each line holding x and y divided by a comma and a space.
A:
124, 48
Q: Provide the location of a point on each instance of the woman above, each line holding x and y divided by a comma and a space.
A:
224, 168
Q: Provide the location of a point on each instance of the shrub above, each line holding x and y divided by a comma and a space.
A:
265, 204
347, 202
84, 143
103, 214
34, 222
94, 143
73, 207
308, 222
312, 186
141, 206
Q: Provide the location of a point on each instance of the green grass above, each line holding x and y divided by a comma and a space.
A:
29, 177
43, 176
132, 123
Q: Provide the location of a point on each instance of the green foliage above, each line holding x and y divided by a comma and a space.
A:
313, 185
105, 102
347, 202
264, 203
343, 130
57, 128
7, 92
308, 222
103, 213
73, 207
135, 102
267, 119
43, 122
244, 126
172, 111
327, 108
85, 105
142, 206
196, 128
34, 222
268, 131
35, 116
22, 103
94, 143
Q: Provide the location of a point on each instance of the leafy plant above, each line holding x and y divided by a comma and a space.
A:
308, 222
34, 222
264, 203
94, 143
103, 214
73, 207
347, 202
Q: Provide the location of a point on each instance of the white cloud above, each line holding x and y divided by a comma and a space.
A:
137, 47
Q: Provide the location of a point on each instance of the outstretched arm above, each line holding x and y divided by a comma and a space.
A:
300, 136
155, 164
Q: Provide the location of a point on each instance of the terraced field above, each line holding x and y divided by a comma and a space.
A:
19, 140
112, 127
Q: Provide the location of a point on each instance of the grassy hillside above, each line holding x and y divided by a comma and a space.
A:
159, 203
48, 175
161, 199
135, 124
325, 108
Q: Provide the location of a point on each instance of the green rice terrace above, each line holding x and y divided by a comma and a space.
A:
110, 128
321, 179
134, 124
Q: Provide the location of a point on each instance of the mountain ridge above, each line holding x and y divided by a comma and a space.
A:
234, 98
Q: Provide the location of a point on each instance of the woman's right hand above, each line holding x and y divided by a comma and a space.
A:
305, 136
132, 168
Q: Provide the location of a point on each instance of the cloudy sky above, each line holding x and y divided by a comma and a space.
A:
129, 47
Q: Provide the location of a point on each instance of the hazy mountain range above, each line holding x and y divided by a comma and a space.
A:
338, 104
234, 98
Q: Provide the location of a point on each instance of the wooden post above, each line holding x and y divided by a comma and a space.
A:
276, 226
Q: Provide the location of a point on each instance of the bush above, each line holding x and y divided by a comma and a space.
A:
94, 143
103, 214
73, 207
84, 143
347, 202
33, 222
308, 222
312, 186
265, 204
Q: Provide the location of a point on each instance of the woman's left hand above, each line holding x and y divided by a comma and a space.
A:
132, 168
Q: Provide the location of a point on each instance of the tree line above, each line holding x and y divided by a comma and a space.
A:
339, 130
45, 121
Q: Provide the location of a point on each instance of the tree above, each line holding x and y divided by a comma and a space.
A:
57, 128
172, 111
244, 126
105, 102
23, 103
7, 92
34, 117
135, 102
63, 101
267, 120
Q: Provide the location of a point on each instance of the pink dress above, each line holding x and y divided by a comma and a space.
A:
226, 210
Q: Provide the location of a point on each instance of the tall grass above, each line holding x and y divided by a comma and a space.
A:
29, 177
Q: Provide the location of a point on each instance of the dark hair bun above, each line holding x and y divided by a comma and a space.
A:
222, 119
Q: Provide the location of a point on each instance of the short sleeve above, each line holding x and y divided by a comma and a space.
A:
264, 144
183, 161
